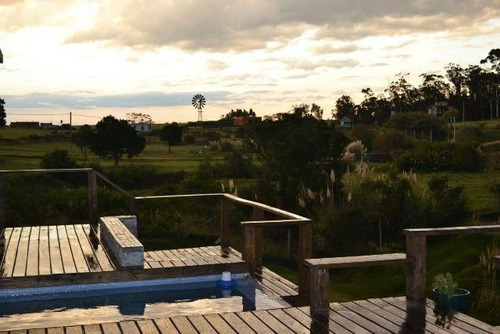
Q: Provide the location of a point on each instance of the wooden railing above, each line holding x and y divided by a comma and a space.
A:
414, 263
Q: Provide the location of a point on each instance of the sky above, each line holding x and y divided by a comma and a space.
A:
95, 58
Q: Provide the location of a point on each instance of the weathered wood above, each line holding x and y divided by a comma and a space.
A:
264, 207
305, 252
356, 261
67, 257
416, 270
76, 250
239, 325
92, 195
225, 232
253, 246
2, 205
120, 275
22, 252
453, 230
134, 206
275, 222
44, 252
32, 261
165, 326
55, 253
276, 325
217, 322
320, 292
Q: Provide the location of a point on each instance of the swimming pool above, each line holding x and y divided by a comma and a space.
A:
108, 302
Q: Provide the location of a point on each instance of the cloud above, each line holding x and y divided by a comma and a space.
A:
241, 25
85, 101
312, 65
329, 48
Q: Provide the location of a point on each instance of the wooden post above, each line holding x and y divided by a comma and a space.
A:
320, 279
416, 270
92, 185
134, 206
2, 206
305, 252
225, 209
253, 250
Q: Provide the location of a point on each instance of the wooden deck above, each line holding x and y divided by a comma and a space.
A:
53, 255
387, 315
70, 254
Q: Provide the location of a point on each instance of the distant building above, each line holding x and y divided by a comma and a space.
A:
244, 120
438, 108
344, 123
48, 126
29, 125
142, 127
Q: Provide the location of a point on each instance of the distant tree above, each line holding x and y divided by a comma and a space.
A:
344, 106
58, 159
316, 111
83, 138
3, 115
493, 59
114, 138
172, 134
137, 118
433, 88
403, 95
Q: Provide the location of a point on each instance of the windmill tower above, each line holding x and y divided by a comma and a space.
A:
198, 103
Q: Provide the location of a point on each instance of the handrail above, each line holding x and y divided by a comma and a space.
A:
112, 184
263, 207
416, 246
139, 198
59, 170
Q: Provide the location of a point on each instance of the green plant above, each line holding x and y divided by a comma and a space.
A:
444, 283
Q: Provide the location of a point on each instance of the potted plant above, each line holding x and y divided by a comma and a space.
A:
447, 295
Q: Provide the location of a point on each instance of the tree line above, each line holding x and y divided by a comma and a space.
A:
473, 90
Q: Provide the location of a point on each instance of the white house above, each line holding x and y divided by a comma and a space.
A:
142, 127
344, 123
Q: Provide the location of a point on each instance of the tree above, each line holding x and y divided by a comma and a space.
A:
83, 138
344, 106
3, 115
58, 159
172, 134
402, 93
494, 60
137, 118
433, 88
114, 138
293, 149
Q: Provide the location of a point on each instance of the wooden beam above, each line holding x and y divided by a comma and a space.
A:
356, 261
92, 189
305, 245
453, 230
225, 232
253, 246
276, 222
62, 170
416, 271
320, 292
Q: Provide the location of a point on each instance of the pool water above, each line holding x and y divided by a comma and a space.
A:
74, 307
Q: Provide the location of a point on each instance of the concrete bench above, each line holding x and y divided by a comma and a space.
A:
118, 238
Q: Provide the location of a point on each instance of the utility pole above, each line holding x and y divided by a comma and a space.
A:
70, 129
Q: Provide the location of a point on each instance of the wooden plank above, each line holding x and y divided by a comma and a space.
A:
165, 326
92, 329
129, 327
225, 219
147, 327
67, 257
380, 312
201, 324
54, 250
33, 252
36, 331
453, 230
121, 275
412, 321
101, 255
372, 316
183, 325
253, 249
356, 261
360, 320
74, 330
22, 253
289, 321
305, 318
305, 244
239, 325
87, 251
11, 252
255, 323
218, 323
6, 235
44, 252
337, 322
76, 249
320, 291
272, 322
111, 328
429, 314
55, 330
19, 331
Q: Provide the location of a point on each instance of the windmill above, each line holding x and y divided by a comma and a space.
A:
198, 103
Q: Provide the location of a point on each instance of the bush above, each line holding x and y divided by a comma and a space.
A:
390, 141
58, 159
436, 157
447, 204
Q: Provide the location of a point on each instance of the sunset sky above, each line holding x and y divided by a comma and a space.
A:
101, 57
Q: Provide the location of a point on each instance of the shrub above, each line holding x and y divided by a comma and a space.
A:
58, 159
390, 141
